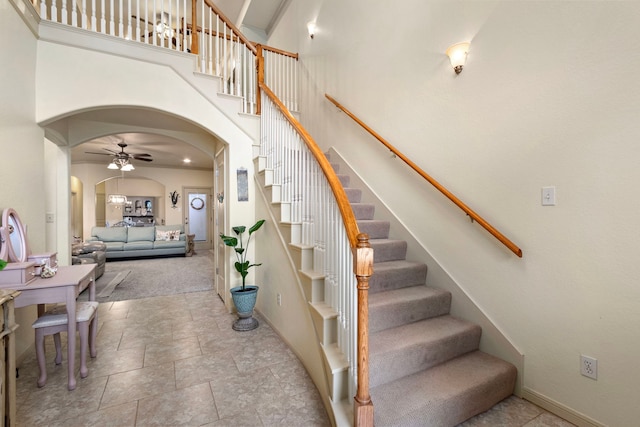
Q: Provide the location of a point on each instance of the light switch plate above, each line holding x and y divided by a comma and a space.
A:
548, 196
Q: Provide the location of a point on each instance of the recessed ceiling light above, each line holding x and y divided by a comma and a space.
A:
187, 160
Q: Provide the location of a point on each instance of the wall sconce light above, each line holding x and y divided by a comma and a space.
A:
458, 55
311, 27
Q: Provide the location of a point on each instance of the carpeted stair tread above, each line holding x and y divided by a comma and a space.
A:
407, 349
363, 210
344, 179
406, 305
397, 274
354, 195
444, 395
388, 250
375, 228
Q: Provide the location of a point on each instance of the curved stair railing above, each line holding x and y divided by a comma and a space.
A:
474, 216
318, 203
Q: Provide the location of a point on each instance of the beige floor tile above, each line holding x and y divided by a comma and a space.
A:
138, 384
548, 420
205, 368
54, 403
249, 418
191, 406
235, 394
304, 409
109, 362
161, 352
117, 416
511, 412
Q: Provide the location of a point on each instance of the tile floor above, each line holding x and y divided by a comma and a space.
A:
175, 361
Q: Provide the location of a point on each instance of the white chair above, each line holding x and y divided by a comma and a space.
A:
54, 321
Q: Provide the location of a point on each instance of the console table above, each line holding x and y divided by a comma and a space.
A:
64, 287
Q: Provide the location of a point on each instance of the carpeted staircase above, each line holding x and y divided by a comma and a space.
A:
425, 366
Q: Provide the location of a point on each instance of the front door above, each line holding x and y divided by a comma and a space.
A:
198, 216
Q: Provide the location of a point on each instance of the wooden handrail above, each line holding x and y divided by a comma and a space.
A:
229, 24
280, 51
341, 196
474, 216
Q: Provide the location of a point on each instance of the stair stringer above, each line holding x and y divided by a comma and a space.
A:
492, 341
311, 285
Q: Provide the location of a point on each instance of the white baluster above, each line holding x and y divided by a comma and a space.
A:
103, 15
171, 33
43, 9
138, 20
84, 14
120, 20
153, 25
184, 25
210, 56
74, 13
203, 64
144, 25
63, 12
129, 35
225, 59
112, 18
217, 56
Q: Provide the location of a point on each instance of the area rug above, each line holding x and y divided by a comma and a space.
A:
144, 278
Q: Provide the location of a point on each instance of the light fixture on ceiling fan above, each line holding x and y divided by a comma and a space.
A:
122, 160
163, 29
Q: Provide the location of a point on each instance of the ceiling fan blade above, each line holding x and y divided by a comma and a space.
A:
102, 154
144, 159
142, 154
142, 19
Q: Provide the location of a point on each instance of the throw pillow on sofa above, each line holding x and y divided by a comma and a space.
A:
162, 235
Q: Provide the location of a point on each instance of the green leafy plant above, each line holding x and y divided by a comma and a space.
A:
241, 247
3, 264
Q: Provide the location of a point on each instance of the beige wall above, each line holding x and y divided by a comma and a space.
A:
548, 98
21, 143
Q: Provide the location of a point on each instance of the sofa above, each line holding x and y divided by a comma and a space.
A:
136, 242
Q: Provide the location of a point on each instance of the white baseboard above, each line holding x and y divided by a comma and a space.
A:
559, 409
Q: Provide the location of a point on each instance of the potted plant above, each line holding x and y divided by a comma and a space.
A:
244, 297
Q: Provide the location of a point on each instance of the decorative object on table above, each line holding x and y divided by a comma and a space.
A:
174, 198
49, 270
244, 297
3, 264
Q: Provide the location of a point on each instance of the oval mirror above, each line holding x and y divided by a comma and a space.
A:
17, 238
3, 244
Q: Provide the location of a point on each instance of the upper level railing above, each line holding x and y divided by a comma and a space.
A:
318, 201
223, 51
474, 216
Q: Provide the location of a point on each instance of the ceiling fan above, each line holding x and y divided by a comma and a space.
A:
122, 159
162, 28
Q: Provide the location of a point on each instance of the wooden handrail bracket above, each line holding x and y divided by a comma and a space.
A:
474, 216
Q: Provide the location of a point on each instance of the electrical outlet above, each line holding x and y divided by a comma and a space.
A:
589, 367
279, 299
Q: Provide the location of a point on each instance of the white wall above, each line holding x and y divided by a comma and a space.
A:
21, 143
548, 98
